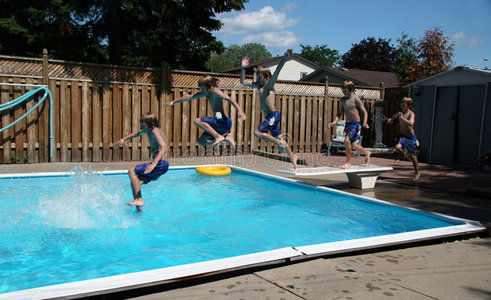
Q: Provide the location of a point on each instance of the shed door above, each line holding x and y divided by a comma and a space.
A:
443, 144
469, 119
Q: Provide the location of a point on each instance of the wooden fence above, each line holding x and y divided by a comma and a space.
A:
91, 113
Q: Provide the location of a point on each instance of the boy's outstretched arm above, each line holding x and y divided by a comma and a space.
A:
128, 137
185, 98
274, 77
244, 64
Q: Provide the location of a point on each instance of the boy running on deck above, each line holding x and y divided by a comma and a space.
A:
407, 136
351, 104
265, 86
215, 127
144, 173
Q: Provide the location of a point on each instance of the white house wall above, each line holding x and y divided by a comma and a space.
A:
292, 70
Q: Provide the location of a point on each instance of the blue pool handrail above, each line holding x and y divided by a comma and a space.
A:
25, 97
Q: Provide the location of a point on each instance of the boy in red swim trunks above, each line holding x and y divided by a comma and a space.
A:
352, 105
144, 173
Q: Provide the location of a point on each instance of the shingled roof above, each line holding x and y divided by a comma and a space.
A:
363, 77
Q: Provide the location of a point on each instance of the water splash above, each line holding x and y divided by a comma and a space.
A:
90, 200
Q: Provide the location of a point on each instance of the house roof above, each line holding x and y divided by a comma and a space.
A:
471, 70
270, 61
366, 77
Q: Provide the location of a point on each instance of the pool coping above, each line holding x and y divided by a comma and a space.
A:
117, 283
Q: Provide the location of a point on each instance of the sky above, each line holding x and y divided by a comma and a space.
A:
283, 24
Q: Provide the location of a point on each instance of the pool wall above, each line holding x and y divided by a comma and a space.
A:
154, 277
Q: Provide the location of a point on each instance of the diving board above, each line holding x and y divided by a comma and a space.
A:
360, 176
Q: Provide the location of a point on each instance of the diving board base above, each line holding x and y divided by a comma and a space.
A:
359, 176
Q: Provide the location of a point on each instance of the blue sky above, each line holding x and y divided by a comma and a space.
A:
282, 24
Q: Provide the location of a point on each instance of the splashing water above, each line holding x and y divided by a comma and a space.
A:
89, 201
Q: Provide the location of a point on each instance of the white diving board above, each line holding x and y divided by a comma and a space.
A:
360, 176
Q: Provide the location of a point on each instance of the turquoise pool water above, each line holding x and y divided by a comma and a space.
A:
59, 229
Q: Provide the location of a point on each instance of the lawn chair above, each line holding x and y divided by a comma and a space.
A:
337, 140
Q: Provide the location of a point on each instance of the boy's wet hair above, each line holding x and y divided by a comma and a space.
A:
149, 120
265, 72
207, 81
349, 85
408, 101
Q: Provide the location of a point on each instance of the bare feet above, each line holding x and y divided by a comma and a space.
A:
294, 161
346, 166
229, 139
218, 141
367, 157
137, 202
416, 176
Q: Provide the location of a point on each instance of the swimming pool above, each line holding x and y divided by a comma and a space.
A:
65, 235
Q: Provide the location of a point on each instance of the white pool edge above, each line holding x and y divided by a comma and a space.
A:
148, 278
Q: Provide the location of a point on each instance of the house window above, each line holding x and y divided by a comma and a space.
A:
303, 74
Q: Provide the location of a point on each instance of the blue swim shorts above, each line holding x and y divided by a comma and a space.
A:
409, 142
159, 170
221, 125
271, 124
352, 130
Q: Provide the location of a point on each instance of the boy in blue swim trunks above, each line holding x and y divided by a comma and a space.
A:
269, 129
407, 137
352, 105
144, 173
218, 126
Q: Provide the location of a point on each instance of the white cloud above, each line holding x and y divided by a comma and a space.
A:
273, 39
265, 26
468, 42
266, 19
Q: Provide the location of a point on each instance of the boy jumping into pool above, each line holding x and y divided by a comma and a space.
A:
265, 86
144, 173
352, 105
215, 127
407, 137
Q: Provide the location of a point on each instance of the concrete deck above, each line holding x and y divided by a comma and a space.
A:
440, 270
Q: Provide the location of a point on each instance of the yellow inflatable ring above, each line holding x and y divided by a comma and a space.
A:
214, 170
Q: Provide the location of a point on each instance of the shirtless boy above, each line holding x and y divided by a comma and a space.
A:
352, 105
217, 126
144, 173
265, 86
407, 136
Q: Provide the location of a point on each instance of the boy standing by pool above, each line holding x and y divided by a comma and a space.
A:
407, 137
269, 129
217, 126
144, 173
352, 105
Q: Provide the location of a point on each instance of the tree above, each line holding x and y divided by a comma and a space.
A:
405, 54
232, 56
435, 52
130, 32
370, 54
321, 55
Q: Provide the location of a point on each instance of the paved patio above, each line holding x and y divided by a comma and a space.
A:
455, 269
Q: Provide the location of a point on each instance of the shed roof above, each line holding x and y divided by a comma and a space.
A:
454, 76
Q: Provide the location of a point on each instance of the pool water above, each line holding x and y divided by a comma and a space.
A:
59, 229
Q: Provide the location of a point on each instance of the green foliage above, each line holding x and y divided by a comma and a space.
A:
435, 52
405, 54
370, 54
321, 55
232, 56
129, 32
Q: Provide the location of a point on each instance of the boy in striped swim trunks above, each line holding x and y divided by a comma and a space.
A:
407, 137
352, 105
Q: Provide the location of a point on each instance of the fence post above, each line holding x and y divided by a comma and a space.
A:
45, 67
327, 120
163, 100
253, 113
382, 90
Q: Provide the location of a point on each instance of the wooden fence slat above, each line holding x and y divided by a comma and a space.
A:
31, 129
96, 122
106, 122
85, 121
116, 116
6, 134
19, 128
76, 122
185, 128
176, 135
308, 125
145, 102
127, 112
193, 136
135, 123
